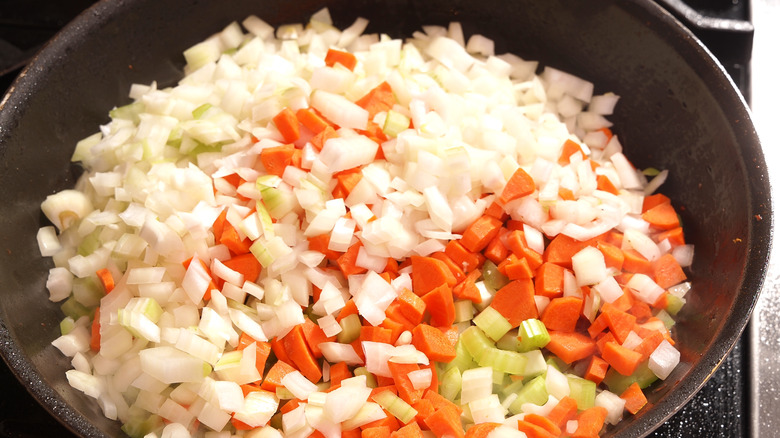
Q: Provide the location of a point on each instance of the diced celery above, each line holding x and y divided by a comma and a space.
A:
476, 342
87, 291
534, 392
67, 325
74, 309
395, 122
350, 329
492, 277
650, 171
618, 383
395, 405
140, 427
450, 383
582, 390
463, 360
532, 334
510, 362
265, 220
128, 112
89, 244
558, 364
509, 341
492, 323
674, 304
512, 388
666, 318
464, 310
370, 379
283, 393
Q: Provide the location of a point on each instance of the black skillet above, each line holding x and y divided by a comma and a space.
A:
678, 111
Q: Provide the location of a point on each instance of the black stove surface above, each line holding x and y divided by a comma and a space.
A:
720, 409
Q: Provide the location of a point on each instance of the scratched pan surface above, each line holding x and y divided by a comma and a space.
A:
678, 111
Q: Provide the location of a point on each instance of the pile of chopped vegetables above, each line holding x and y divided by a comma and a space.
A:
320, 232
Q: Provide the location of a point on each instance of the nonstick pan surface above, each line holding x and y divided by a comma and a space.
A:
678, 111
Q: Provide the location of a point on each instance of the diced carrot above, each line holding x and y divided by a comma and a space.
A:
288, 125
653, 200
532, 430
564, 411
467, 289
496, 251
349, 308
376, 334
346, 59
429, 273
379, 99
477, 235
411, 430
561, 249
424, 408
314, 336
662, 216
273, 379
440, 402
440, 305
603, 183
396, 327
589, 422
667, 271
400, 373
640, 310
549, 280
106, 280
376, 432
570, 147
277, 346
276, 158
300, 353
352, 433
516, 243
635, 263
481, 430
445, 421
347, 261
565, 194
432, 342
518, 269
515, 301
94, 340
346, 180
497, 211
649, 344
411, 306
570, 347
545, 423
262, 350
620, 323
246, 264
318, 141
456, 271
320, 243
597, 370
634, 397
338, 372
219, 225
389, 387
520, 184
675, 236
309, 118
613, 256
623, 360
389, 420
233, 240
602, 340
562, 314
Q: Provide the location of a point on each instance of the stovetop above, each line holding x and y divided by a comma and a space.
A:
722, 408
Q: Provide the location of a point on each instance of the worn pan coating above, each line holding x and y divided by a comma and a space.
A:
678, 111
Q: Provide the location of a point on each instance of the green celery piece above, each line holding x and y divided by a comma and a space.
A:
509, 341
674, 304
89, 244
558, 364
618, 383
463, 360
87, 291
476, 342
450, 383
395, 405
395, 123
198, 112
534, 392
511, 388
582, 390
492, 277
493, 323
533, 334
128, 112
510, 362
650, 171
67, 325
138, 428
664, 316
283, 393
74, 309
370, 379
350, 329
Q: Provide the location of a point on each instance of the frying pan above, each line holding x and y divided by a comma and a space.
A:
679, 111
